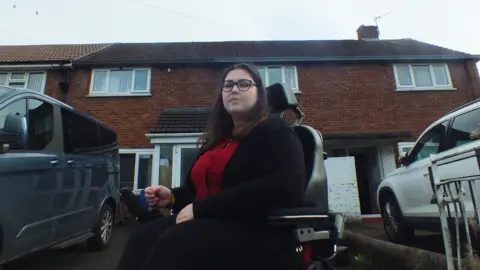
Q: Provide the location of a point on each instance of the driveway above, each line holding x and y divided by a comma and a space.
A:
76, 257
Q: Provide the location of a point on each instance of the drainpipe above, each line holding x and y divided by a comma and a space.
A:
64, 85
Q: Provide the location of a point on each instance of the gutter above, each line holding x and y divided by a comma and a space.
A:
281, 59
14, 66
176, 135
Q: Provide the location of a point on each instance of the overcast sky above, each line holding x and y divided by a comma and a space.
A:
452, 24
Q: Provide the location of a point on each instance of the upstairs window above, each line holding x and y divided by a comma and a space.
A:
422, 77
280, 74
30, 80
120, 82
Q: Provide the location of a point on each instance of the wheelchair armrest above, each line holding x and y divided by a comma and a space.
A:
310, 219
297, 216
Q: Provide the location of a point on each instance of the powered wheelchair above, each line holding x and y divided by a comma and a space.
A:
316, 228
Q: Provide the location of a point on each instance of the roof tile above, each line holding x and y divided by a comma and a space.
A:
37, 53
264, 50
182, 120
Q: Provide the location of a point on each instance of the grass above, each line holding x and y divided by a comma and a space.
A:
364, 261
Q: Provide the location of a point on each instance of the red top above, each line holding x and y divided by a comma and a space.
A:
207, 172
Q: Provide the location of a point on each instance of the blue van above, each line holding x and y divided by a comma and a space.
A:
59, 176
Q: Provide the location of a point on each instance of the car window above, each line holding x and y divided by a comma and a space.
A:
465, 128
107, 137
18, 107
40, 124
430, 143
80, 135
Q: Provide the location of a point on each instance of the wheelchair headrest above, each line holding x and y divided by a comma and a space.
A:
281, 98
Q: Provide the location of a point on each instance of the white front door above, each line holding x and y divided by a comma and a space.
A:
184, 156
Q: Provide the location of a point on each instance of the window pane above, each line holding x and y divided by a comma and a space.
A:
107, 138
141, 80
466, 128
127, 170
290, 77
80, 134
17, 84
262, 75
40, 124
188, 157
18, 107
10, 125
3, 78
403, 75
35, 81
99, 81
440, 73
422, 76
144, 171
406, 149
430, 142
165, 163
274, 75
18, 76
120, 81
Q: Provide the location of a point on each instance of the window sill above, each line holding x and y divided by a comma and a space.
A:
414, 89
120, 95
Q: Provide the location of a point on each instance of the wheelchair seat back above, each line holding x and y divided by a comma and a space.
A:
282, 99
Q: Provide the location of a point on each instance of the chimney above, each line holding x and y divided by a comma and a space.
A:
366, 32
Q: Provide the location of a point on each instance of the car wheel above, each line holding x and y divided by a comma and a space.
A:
393, 221
103, 229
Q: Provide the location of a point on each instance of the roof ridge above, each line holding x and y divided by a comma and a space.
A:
97, 50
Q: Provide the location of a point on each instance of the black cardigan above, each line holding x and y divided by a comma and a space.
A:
265, 172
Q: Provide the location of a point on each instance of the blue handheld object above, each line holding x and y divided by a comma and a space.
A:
143, 200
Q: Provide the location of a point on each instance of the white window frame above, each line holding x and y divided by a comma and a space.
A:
25, 79
282, 67
432, 76
131, 92
137, 152
402, 145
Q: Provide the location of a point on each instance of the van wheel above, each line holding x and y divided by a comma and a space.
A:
103, 229
393, 221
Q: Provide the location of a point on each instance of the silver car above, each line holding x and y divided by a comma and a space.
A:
59, 175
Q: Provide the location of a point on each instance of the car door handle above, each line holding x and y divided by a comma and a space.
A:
426, 175
71, 162
54, 162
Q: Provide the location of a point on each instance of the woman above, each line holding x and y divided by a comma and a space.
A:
250, 163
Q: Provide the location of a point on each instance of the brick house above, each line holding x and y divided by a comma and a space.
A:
370, 98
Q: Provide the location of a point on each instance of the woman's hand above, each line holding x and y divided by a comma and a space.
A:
186, 214
158, 196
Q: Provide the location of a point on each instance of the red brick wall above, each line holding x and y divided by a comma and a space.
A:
335, 98
362, 98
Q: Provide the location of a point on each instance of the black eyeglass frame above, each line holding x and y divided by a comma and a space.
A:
230, 88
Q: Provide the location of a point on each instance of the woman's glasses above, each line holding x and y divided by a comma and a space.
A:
242, 85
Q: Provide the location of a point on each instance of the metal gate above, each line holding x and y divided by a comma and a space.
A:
450, 178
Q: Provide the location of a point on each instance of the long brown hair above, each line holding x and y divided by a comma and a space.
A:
220, 124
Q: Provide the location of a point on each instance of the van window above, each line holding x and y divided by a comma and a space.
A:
431, 143
80, 135
107, 137
465, 128
18, 107
40, 124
